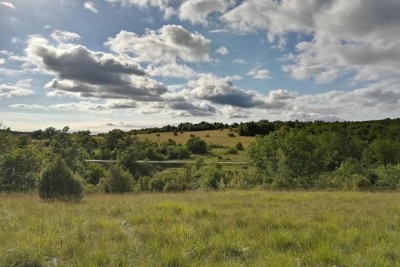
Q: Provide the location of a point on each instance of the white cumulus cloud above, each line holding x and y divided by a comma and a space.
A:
90, 6
64, 36
222, 50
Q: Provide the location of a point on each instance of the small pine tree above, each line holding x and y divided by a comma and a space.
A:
57, 182
118, 180
239, 146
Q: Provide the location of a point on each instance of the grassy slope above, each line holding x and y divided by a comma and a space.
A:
215, 137
252, 228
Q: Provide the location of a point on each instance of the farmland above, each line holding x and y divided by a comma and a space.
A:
232, 228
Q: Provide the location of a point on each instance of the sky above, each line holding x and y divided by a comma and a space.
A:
126, 64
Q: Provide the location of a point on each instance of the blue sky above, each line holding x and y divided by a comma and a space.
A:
125, 64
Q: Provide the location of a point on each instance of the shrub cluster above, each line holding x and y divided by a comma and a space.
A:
57, 182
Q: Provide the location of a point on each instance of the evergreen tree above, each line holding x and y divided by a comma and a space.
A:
57, 182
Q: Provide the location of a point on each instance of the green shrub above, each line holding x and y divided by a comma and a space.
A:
57, 182
196, 145
239, 146
20, 169
118, 180
388, 177
360, 182
168, 181
177, 152
231, 151
156, 183
94, 173
213, 177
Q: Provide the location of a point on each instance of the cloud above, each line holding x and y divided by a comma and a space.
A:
197, 11
164, 50
234, 112
258, 73
171, 70
91, 74
222, 91
346, 36
376, 100
190, 109
91, 107
2, 61
14, 40
29, 107
7, 5
90, 6
218, 31
166, 45
64, 36
239, 61
21, 88
222, 50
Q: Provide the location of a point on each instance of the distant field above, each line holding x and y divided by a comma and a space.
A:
234, 228
215, 137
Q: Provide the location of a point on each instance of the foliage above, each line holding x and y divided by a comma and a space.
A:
129, 158
63, 145
324, 155
197, 145
20, 169
388, 177
213, 177
57, 182
177, 152
118, 180
239, 146
231, 151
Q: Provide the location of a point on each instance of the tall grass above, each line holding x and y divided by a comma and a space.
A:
234, 228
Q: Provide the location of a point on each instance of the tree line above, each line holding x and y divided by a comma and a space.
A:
293, 155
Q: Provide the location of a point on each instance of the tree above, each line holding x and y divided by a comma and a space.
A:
57, 182
289, 158
382, 152
239, 146
197, 145
74, 155
20, 169
118, 180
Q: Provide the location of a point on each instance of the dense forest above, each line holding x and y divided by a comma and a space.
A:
293, 155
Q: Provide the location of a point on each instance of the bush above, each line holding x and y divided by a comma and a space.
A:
177, 152
196, 145
230, 134
57, 182
360, 182
239, 146
118, 180
94, 173
20, 169
213, 177
388, 177
168, 181
231, 151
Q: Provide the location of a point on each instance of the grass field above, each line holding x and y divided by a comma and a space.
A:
234, 228
211, 137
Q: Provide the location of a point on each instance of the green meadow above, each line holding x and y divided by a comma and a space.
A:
203, 228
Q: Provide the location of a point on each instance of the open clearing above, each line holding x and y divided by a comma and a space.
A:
219, 137
247, 228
